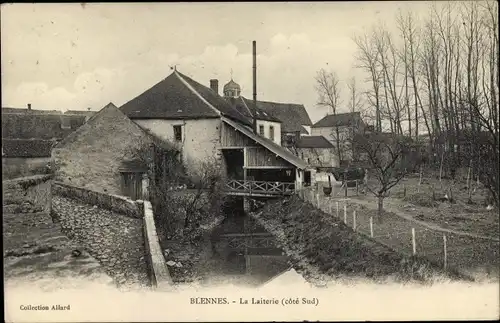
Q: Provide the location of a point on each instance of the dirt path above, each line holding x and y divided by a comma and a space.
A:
390, 207
465, 252
36, 252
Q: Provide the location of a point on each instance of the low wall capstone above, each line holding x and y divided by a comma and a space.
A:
119, 204
158, 270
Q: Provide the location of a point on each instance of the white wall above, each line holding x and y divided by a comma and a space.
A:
200, 137
330, 134
277, 130
309, 130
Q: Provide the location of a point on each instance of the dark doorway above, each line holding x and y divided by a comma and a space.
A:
307, 178
236, 262
272, 175
234, 160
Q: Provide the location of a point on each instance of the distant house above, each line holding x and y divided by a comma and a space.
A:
278, 121
39, 126
316, 151
24, 157
87, 113
28, 110
347, 125
27, 137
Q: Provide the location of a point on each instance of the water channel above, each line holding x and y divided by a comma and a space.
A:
242, 252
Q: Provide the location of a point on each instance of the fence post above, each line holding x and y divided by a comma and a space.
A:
338, 214
371, 226
404, 190
413, 241
345, 189
357, 189
345, 213
354, 220
317, 200
445, 260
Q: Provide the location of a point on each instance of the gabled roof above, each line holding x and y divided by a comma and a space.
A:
180, 97
80, 112
293, 116
313, 142
245, 107
39, 126
269, 144
26, 111
338, 120
111, 110
26, 148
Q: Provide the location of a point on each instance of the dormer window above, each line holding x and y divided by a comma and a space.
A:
271, 132
261, 130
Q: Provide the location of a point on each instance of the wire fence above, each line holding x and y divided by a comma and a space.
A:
435, 190
466, 254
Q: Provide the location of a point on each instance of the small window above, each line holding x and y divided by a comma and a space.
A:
261, 130
271, 132
178, 133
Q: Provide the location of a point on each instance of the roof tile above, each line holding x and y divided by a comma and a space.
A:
338, 120
26, 148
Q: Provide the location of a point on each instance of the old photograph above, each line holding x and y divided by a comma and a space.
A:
239, 161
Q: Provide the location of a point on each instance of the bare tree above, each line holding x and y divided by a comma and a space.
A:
389, 162
366, 59
328, 89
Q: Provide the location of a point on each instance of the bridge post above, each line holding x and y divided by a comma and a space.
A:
246, 204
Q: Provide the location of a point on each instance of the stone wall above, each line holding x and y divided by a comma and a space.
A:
115, 203
27, 194
22, 167
157, 267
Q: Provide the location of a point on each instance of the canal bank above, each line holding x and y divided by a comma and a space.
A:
233, 250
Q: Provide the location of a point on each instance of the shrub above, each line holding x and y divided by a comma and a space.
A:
420, 199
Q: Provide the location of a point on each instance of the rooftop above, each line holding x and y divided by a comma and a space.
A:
26, 148
338, 120
180, 97
313, 142
293, 116
39, 126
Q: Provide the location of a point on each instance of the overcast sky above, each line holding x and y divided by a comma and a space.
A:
73, 56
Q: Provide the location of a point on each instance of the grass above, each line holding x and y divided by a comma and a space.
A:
469, 255
323, 245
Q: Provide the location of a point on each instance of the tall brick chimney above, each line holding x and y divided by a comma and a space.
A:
214, 85
29, 106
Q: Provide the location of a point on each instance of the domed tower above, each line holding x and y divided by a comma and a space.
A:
232, 89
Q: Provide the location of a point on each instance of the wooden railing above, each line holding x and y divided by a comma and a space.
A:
260, 187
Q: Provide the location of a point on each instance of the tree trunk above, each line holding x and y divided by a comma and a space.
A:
380, 209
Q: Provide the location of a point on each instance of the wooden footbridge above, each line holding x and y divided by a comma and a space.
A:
259, 188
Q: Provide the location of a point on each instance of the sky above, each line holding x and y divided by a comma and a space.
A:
77, 56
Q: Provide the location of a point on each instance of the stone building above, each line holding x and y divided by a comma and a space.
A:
104, 154
28, 136
341, 127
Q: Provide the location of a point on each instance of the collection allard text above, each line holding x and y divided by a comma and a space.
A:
56, 307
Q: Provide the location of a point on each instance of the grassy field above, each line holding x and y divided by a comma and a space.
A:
460, 215
436, 217
321, 245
